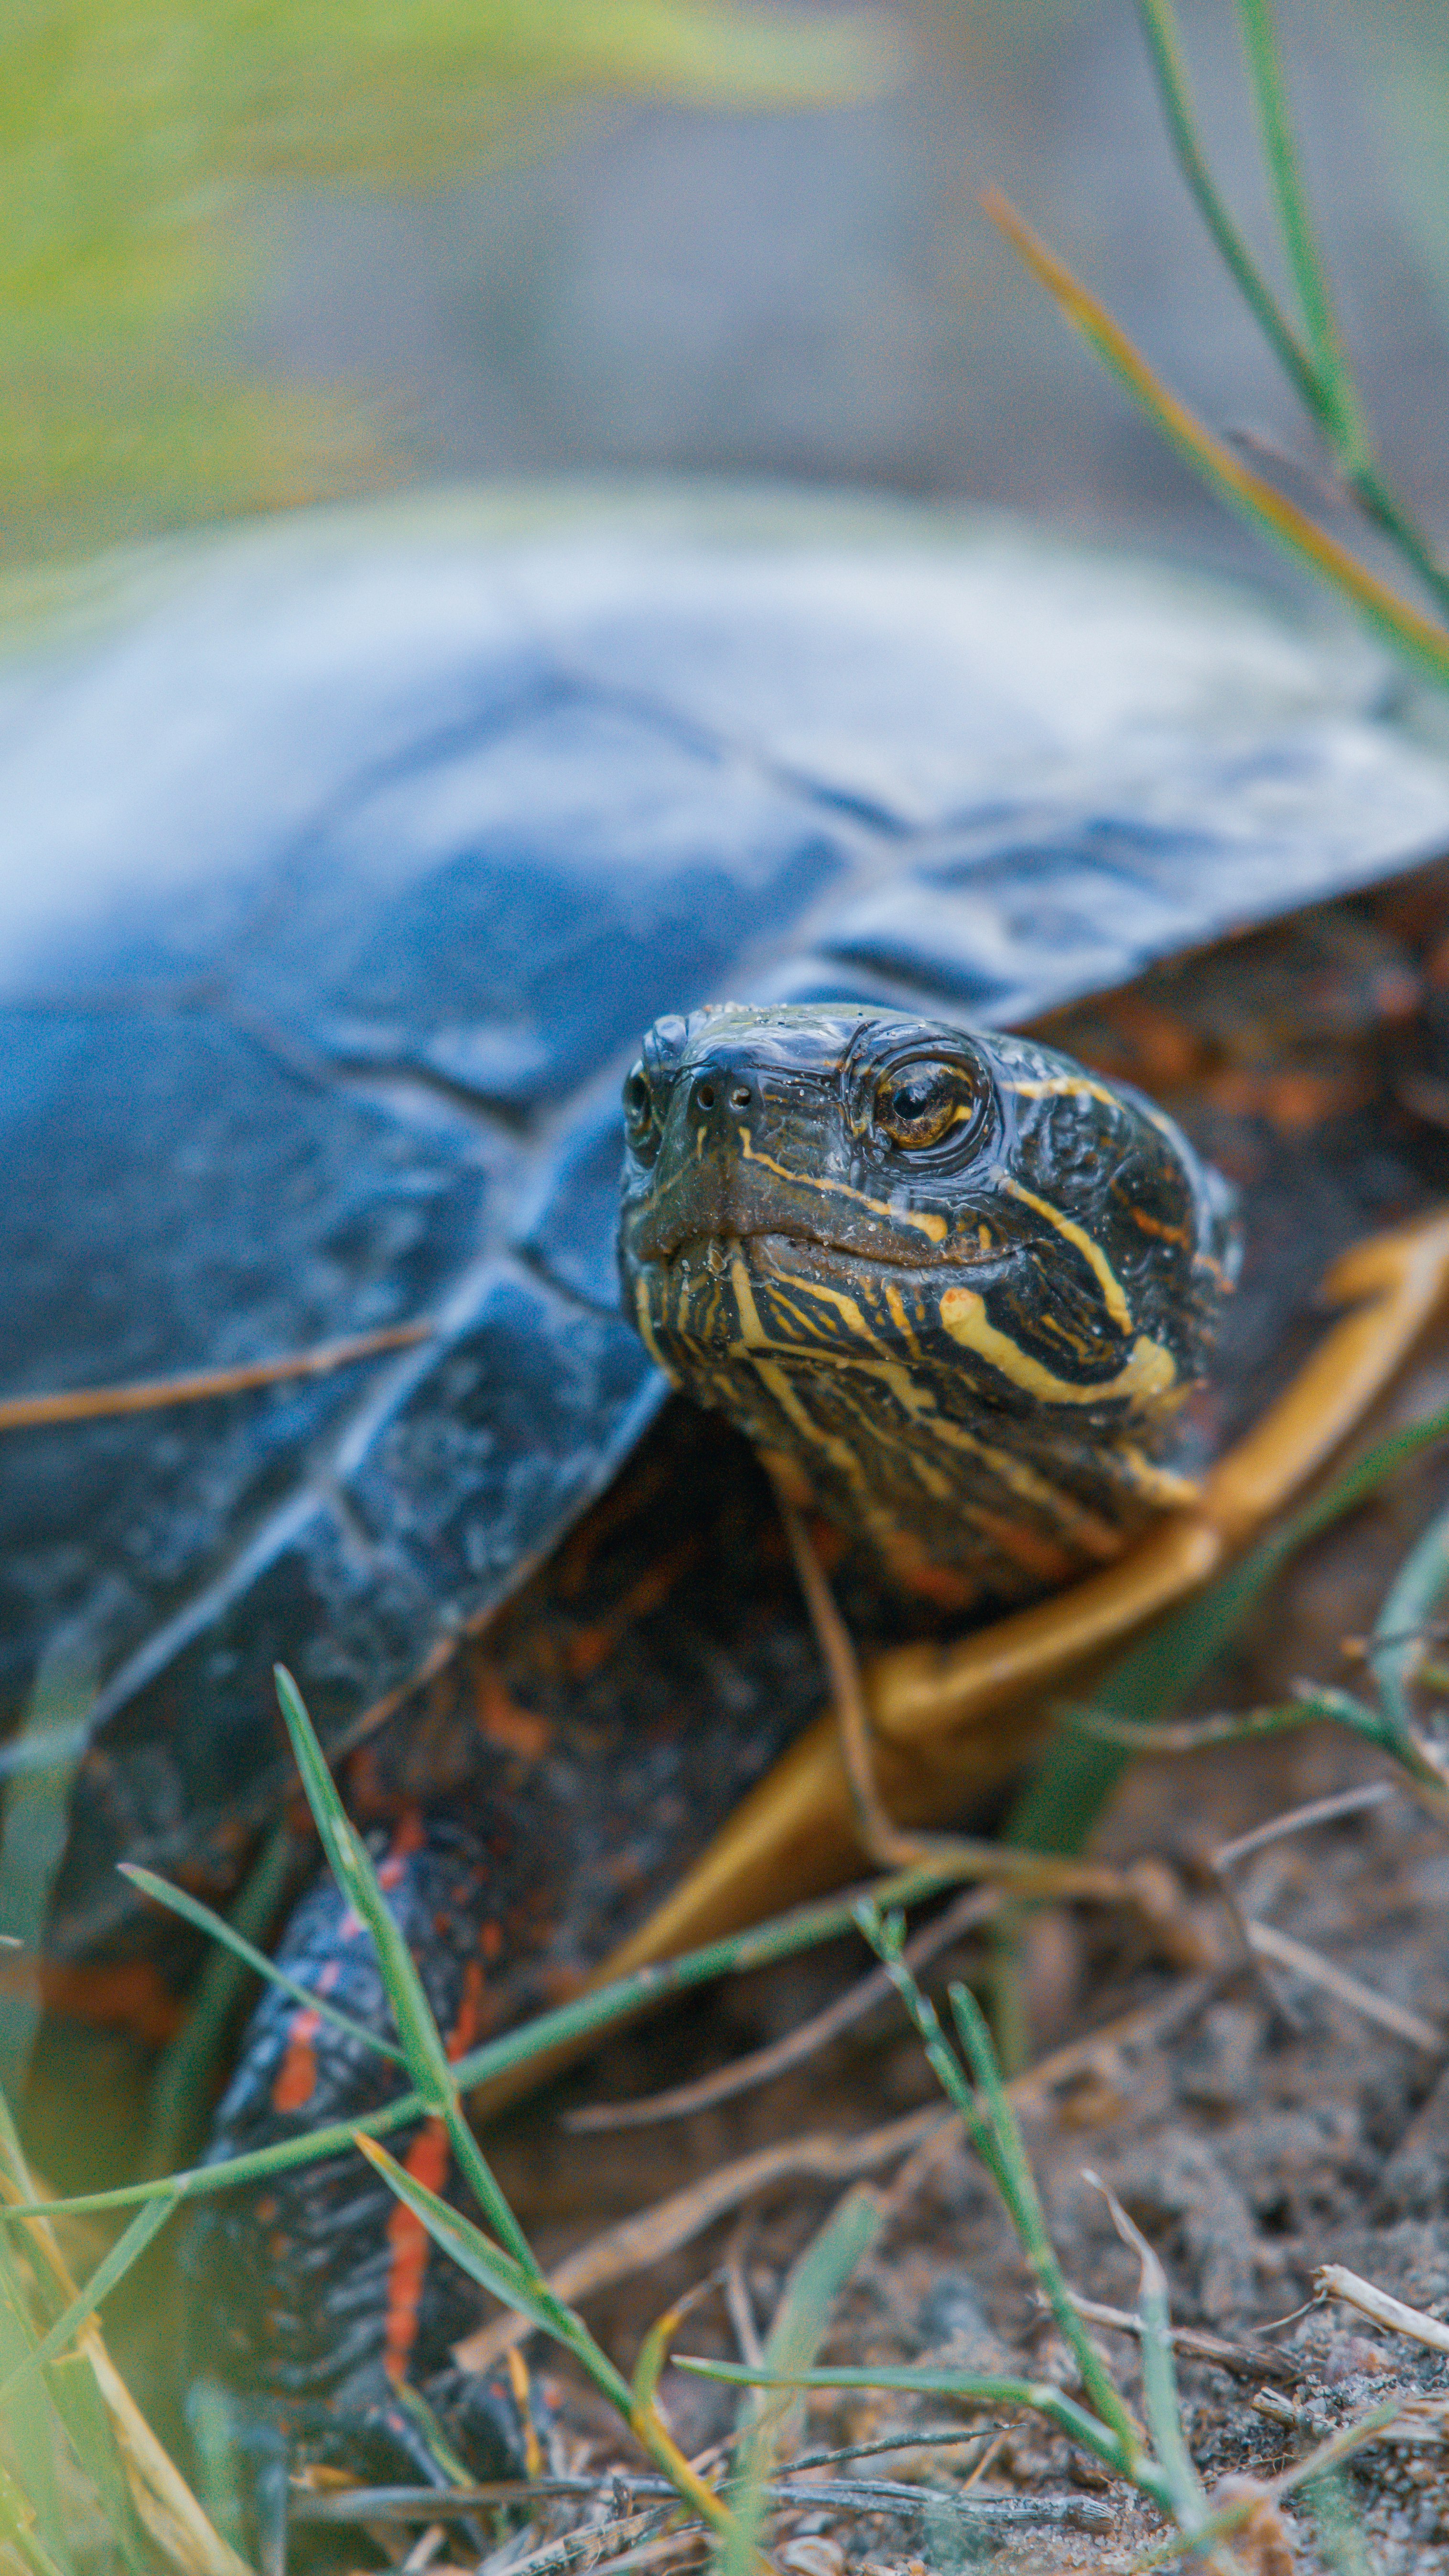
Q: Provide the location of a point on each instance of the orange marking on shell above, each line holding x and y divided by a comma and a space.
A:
1159, 1048
1397, 993
409, 1835
1294, 1100
517, 1730
125, 1995
361, 1772
1158, 1226
296, 2077
590, 1647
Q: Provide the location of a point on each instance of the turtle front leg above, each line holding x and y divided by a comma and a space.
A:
317, 2300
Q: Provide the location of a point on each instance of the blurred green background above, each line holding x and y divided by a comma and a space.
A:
256, 255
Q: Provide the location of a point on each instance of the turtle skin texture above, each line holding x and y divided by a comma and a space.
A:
954, 1287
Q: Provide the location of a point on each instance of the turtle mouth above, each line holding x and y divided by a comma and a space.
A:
774, 1250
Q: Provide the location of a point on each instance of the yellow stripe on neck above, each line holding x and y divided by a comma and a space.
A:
1149, 1372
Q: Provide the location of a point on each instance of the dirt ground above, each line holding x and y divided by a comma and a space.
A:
1254, 2123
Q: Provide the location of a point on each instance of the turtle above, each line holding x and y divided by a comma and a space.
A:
378, 888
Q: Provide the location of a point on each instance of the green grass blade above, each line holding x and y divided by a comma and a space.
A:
434, 2077
351, 1866
1342, 2542
1322, 2461
1159, 2369
1388, 513
654, 2350
881, 1932
991, 2126
440, 2450
1175, 1736
783, 1937
1164, 52
518, 2286
1300, 240
1363, 477
1406, 1609
48, 1746
967, 2388
77, 2399
814, 2284
1420, 643
1023, 2202
112, 2268
31, 2426
17, 2529
818, 2276
1381, 1727
178, 1901
183, 2082
1075, 1779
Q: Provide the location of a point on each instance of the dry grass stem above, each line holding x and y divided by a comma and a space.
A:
1242, 2360
637, 2242
976, 1905
881, 1838
1007, 1865
922, 2135
165, 2503
1268, 1943
737, 2292
94, 1403
1334, 2281
1299, 1820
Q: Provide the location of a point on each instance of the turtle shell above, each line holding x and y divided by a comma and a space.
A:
347, 861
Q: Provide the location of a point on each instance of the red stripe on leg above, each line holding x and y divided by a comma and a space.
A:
427, 2161
296, 2078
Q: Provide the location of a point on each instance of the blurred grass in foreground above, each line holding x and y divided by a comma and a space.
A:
137, 137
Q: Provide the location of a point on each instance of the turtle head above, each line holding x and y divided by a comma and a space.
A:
952, 1285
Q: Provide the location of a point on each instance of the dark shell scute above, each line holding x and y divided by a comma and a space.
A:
507, 921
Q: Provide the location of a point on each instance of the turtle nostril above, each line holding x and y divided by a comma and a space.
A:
741, 1097
705, 1095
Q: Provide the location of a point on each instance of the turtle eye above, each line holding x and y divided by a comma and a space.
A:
638, 1105
919, 1104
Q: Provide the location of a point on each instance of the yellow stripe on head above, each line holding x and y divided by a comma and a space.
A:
1081, 1241
1149, 1372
